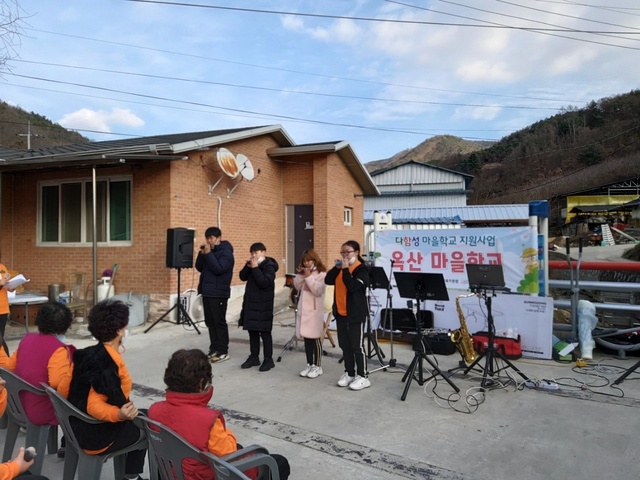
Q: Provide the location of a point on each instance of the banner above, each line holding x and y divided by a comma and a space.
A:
447, 252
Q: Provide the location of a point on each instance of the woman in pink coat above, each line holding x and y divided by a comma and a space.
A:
309, 282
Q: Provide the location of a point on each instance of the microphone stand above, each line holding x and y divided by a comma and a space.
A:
392, 360
388, 312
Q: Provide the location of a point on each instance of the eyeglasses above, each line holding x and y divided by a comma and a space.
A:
345, 252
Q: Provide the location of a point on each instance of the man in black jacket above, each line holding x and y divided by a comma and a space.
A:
215, 264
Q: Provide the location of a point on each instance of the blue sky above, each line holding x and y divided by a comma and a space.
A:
325, 70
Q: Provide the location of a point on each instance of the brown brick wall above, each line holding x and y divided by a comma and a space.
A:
176, 194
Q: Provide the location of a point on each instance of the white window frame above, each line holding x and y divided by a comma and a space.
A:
348, 216
83, 243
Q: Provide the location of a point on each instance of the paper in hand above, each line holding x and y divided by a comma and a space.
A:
16, 281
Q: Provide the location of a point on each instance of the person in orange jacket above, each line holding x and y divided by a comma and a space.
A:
101, 385
5, 276
17, 466
44, 357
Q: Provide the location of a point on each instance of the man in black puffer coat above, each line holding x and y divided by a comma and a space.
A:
257, 305
215, 263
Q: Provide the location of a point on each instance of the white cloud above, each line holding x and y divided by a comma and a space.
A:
486, 71
100, 120
293, 23
342, 30
477, 113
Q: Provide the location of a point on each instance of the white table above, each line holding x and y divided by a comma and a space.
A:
27, 299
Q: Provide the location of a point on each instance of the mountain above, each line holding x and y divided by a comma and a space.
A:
576, 149
15, 124
433, 150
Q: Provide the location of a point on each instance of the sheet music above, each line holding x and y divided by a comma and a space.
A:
16, 281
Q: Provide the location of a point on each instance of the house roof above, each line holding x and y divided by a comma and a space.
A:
343, 149
428, 165
151, 148
467, 213
626, 186
589, 209
414, 216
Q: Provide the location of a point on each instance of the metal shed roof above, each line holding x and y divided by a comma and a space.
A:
468, 214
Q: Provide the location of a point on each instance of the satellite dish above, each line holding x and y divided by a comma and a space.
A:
246, 169
247, 172
241, 159
228, 163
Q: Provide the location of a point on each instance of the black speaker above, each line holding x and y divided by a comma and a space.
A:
179, 248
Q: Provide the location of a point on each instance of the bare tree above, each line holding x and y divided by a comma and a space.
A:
10, 31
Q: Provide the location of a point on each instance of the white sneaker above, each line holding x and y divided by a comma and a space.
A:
306, 371
314, 372
359, 383
345, 380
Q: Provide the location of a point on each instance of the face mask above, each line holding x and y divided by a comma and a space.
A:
352, 260
217, 242
62, 337
260, 260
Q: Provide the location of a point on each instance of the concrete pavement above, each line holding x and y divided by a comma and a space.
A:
586, 429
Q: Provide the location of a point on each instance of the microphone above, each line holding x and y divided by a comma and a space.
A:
29, 454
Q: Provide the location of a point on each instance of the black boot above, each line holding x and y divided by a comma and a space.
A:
251, 362
267, 365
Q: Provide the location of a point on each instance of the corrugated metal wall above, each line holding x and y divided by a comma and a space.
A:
419, 176
386, 202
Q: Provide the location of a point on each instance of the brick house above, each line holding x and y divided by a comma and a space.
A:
300, 196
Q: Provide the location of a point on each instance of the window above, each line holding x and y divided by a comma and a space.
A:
66, 212
347, 216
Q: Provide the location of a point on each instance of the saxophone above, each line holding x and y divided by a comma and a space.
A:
461, 336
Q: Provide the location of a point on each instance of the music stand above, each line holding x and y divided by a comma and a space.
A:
421, 286
484, 278
378, 280
182, 316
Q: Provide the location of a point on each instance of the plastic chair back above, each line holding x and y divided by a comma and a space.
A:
38, 436
89, 466
233, 469
170, 450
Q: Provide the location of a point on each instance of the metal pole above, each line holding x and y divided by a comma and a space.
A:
95, 233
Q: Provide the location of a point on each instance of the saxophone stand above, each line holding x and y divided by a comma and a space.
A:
421, 286
491, 354
182, 316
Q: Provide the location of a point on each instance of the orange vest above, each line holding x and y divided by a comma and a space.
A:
341, 291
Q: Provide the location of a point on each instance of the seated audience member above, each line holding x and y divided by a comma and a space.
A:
44, 357
185, 411
101, 386
17, 466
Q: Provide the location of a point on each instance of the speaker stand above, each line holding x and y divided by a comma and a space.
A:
182, 316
